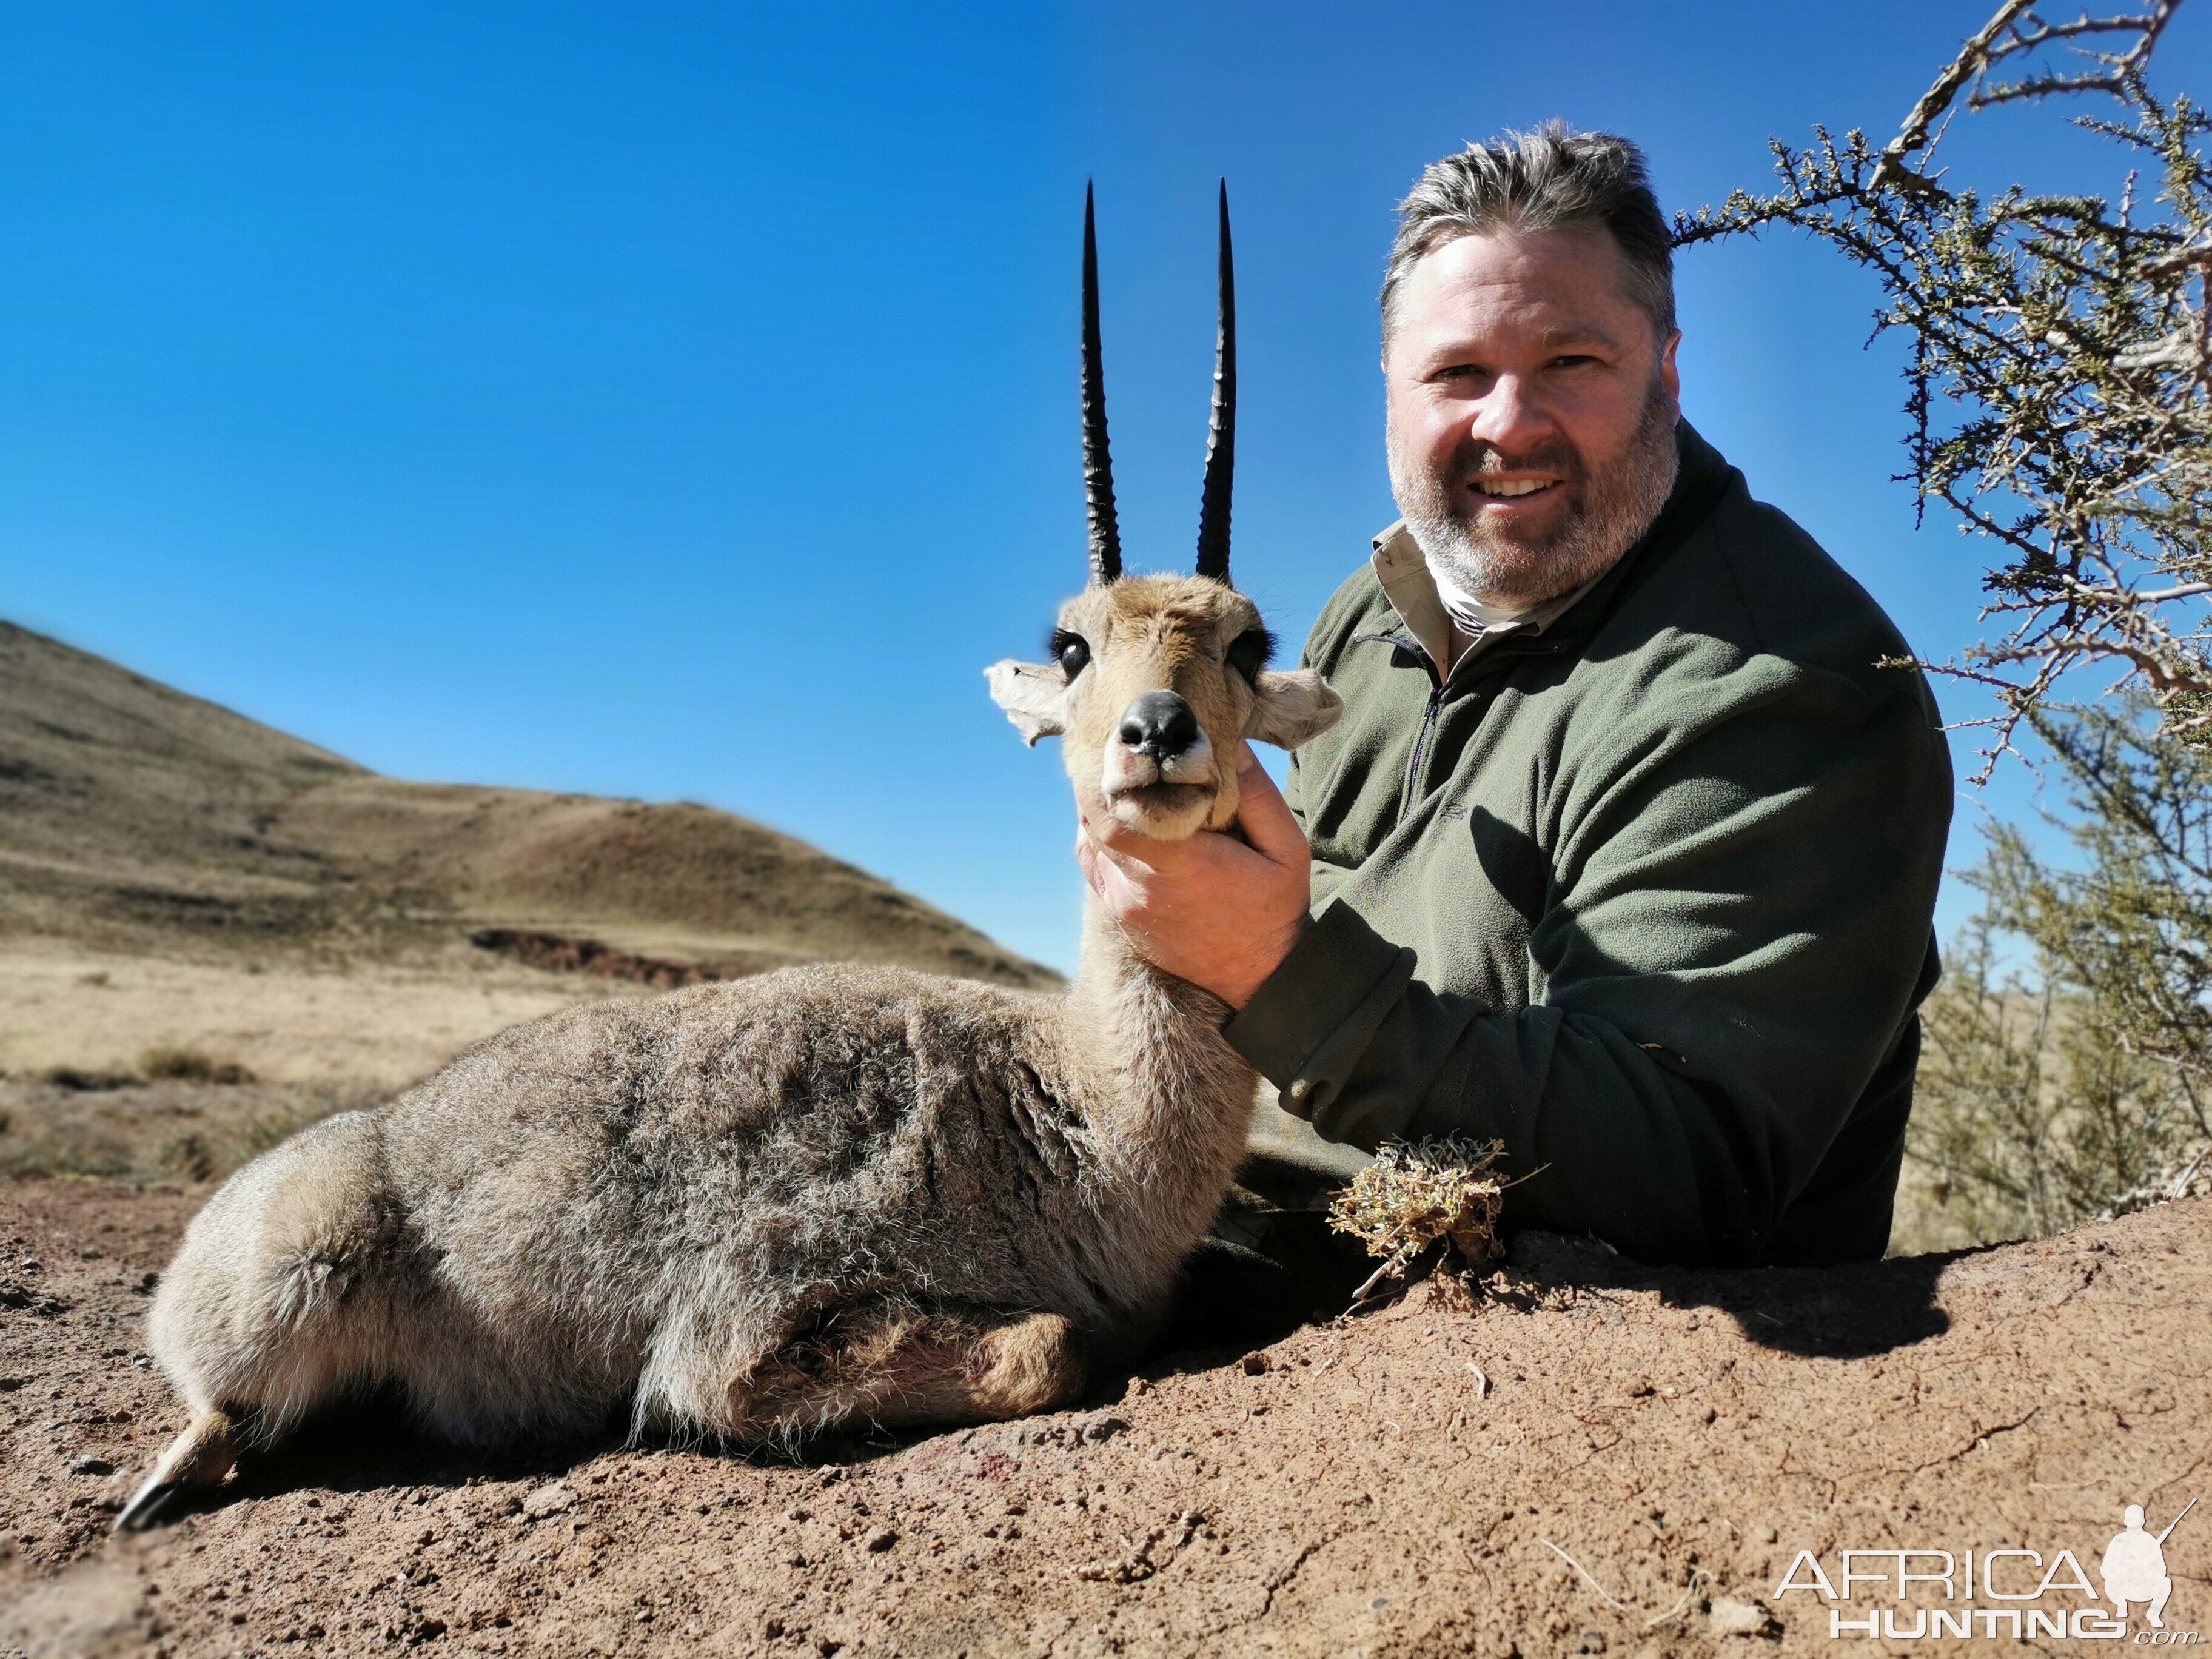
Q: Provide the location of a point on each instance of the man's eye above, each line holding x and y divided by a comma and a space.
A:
1573, 360
1072, 651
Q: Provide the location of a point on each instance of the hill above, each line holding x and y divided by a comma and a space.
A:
141, 827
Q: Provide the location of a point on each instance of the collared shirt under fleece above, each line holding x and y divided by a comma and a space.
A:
1644, 890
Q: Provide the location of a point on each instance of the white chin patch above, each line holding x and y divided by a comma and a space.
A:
1165, 812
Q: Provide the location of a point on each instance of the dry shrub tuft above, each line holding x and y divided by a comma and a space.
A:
190, 1157
266, 1130
78, 1079
190, 1066
1413, 1196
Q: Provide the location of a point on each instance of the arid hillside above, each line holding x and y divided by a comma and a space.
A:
172, 874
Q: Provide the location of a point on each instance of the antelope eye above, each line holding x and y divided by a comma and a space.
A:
1072, 651
1249, 651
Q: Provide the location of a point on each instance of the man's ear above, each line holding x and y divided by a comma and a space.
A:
1292, 708
1032, 693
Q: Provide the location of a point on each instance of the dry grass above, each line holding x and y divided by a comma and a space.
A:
1415, 1196
190, 1066
378, 1024
163, 1131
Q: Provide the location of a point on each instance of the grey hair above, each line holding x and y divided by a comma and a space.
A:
1552, 178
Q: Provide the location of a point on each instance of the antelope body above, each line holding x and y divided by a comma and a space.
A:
760, 1209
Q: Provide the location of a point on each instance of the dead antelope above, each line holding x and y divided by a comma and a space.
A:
761, 1209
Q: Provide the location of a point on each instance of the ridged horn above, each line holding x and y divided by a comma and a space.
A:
1098, 460
1221, 429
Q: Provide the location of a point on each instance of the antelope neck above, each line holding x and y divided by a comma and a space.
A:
1157, 1036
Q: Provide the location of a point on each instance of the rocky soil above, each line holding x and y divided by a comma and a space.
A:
1586, 1457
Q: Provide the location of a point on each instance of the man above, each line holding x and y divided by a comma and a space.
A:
1625, 850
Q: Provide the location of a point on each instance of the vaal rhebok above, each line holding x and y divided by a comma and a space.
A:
761, 1209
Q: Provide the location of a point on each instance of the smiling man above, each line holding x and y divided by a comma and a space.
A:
1625, 850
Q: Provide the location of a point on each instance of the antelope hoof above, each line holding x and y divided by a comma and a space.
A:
147, 1506
200, 1458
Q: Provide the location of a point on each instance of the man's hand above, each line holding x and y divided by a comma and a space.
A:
1219, 912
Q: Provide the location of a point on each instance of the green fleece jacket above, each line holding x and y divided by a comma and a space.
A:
1646, 896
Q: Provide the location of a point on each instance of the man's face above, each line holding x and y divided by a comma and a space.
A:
1531, 411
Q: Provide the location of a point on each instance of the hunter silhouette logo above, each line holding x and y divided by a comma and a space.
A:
2133, 1567
2026, 1587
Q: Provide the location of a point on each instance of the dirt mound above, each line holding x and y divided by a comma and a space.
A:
1592, 1457
588, 956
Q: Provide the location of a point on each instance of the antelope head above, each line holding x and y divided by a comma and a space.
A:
1156, 681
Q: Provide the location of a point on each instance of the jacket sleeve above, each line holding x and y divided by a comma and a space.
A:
1736, 918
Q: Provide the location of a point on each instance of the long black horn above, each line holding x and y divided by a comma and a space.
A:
1097, 460
1221, 431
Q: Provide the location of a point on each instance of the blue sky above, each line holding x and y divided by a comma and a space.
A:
678, 402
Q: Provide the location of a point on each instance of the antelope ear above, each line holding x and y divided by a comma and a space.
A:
1032, 693
1292, 708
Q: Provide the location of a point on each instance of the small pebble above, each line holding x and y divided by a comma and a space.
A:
550, 1500
1730, 1617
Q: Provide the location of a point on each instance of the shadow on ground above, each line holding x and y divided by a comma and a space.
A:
1850, 1312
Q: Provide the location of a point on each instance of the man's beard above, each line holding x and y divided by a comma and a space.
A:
1608, 508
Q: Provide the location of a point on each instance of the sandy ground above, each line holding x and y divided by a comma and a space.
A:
62, 1005
1588, 1458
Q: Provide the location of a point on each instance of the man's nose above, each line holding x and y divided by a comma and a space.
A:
1159, 724
1510, 415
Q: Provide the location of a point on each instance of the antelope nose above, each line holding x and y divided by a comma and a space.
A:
1159, 724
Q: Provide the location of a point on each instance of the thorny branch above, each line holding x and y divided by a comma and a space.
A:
2060, 381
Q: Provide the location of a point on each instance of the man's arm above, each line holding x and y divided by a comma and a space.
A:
1739, 916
